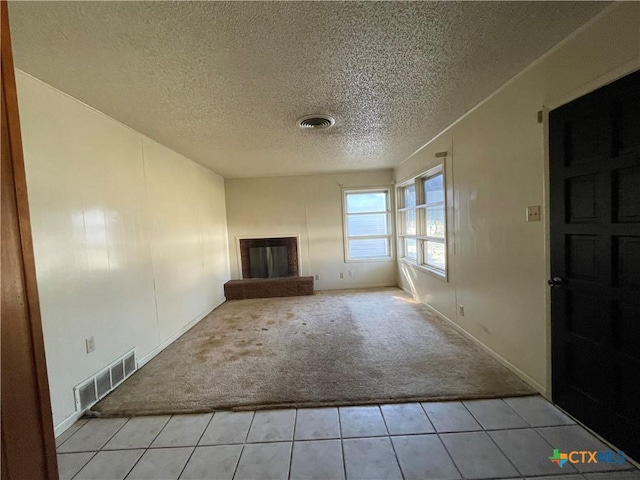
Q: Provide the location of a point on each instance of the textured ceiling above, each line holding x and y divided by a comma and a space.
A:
223, 82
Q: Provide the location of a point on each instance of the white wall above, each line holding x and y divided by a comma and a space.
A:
311, 207
130, 237
497, 167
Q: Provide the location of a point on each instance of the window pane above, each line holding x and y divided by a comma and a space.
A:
368, 248
434, 255
366, 202
371, 224
435, 222
410, 248
409, 196
408, 222
434, 189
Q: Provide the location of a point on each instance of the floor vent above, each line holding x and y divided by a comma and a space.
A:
103, 382
117, 373
129, 364
86, 394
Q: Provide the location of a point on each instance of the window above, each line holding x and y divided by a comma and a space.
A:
422, 221
367, 224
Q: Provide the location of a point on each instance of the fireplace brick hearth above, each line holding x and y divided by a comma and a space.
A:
268, 287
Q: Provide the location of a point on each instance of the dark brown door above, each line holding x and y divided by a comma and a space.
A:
28, 446
595, 260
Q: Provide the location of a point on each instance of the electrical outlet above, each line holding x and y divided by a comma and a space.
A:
461, 310
341, 275
317, 277
91, 344
351, 273
533, 213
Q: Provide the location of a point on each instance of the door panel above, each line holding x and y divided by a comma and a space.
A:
595, 249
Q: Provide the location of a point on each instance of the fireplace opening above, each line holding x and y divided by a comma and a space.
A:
268, 262
269, 257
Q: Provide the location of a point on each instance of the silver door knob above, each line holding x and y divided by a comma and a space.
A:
556, 282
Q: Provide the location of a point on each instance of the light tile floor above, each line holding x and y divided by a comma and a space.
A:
481, 439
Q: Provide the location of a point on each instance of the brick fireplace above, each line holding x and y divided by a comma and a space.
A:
269, 269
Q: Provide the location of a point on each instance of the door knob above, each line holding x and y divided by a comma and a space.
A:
556, 282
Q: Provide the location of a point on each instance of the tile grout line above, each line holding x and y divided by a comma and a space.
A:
277, 441
474, 417
551, 446
484, 430
455, 465
308, 440
428, 418
295, 426
99, 449
84, 464
135, 463
514, 411
115, 433
196, 445
344, 459
69, 437
393, 447
449, 455
504, 454
134, 448
146, 449
293, 436
244, 443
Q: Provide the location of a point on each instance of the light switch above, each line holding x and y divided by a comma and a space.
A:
533, 213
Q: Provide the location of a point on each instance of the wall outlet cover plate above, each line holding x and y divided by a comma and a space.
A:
533, 213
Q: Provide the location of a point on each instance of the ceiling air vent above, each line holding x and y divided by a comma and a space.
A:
316, 122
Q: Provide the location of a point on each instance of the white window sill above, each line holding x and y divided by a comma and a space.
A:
370, 260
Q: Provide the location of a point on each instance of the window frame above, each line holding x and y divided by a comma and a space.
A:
421, 238
390, 236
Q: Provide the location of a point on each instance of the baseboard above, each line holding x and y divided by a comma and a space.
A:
535, 385
408, 292
178, 334
66, 423
359, 285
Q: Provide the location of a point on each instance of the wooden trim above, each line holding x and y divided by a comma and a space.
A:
28, 443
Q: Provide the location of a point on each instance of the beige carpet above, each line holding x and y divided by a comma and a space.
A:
333, 348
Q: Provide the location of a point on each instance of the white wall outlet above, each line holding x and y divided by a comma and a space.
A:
91, 344
317, 277
351, 273
461, 310
341, 275
533, 213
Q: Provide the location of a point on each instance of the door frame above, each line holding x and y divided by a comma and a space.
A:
28, 443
